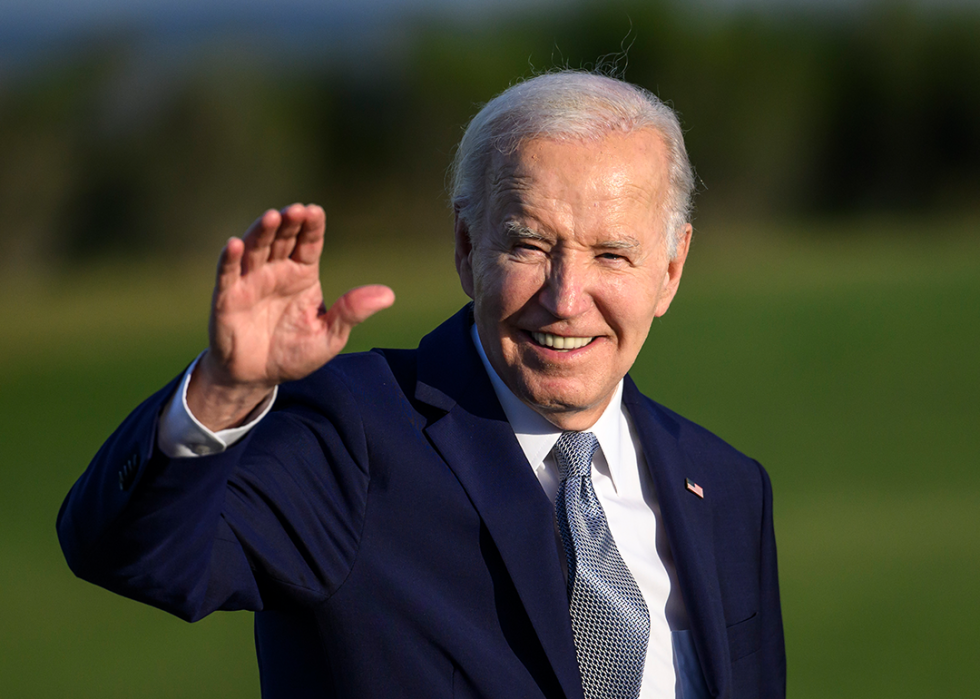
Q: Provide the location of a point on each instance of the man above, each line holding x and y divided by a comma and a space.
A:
499, 513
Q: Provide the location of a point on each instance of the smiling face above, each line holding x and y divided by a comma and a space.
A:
570, 268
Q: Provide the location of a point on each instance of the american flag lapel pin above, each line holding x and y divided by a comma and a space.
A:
694, 488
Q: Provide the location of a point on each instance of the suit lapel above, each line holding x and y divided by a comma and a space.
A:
478, 444
689, 526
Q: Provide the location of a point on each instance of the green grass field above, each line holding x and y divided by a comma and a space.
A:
848, 364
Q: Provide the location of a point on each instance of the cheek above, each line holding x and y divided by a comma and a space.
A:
627, 293
506, 287
629, 306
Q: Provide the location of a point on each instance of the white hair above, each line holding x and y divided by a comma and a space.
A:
568, 104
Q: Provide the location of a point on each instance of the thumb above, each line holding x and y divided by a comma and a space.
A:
356, 306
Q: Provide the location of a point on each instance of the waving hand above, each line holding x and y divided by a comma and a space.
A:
269, 323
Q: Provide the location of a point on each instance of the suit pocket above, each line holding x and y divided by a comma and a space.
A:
744, 638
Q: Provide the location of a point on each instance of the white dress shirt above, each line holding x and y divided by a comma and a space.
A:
622, 484
624, 487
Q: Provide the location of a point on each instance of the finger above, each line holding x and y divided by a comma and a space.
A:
258, 239
230, 264
293, 217
309, 243
354, 307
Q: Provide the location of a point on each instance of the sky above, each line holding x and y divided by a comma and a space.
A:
58, 15
33, 28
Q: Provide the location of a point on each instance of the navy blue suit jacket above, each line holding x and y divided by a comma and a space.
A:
385, 526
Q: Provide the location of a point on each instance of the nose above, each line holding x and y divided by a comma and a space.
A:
566, 290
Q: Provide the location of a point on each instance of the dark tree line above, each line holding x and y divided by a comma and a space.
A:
104, 151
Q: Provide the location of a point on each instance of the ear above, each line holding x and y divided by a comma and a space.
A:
464, 253
672, 276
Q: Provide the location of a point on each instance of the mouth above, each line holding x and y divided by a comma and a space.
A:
559, 342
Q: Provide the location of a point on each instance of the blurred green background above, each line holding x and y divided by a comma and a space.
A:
827, 324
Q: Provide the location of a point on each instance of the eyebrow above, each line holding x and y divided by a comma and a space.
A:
516, 231
627, 243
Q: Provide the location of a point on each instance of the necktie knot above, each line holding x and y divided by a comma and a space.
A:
574, 452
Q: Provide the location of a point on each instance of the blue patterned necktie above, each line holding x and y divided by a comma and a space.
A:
610, 620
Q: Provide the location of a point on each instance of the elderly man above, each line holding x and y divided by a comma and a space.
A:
499, 513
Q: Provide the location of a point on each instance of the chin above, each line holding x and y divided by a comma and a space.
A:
560, 407
550, 397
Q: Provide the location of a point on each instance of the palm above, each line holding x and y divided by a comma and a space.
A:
269, 326
268, 322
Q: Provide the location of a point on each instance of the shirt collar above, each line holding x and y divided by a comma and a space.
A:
537, 436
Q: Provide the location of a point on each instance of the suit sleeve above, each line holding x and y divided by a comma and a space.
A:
273, 521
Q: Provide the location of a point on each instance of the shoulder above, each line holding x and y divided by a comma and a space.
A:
702, 453
351, 394
693, 437
326, 425
353, 377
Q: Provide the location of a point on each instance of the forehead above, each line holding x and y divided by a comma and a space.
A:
620, 171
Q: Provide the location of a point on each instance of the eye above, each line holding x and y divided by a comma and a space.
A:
611, 256
526, 248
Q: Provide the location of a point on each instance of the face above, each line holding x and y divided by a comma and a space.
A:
570, 268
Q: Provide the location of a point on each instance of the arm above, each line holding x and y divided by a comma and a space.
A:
195, 535
272, 519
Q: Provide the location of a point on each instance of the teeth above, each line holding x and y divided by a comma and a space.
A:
559, 342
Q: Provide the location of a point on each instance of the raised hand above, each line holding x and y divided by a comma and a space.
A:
268, 320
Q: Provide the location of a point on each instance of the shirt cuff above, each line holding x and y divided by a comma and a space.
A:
180, 435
